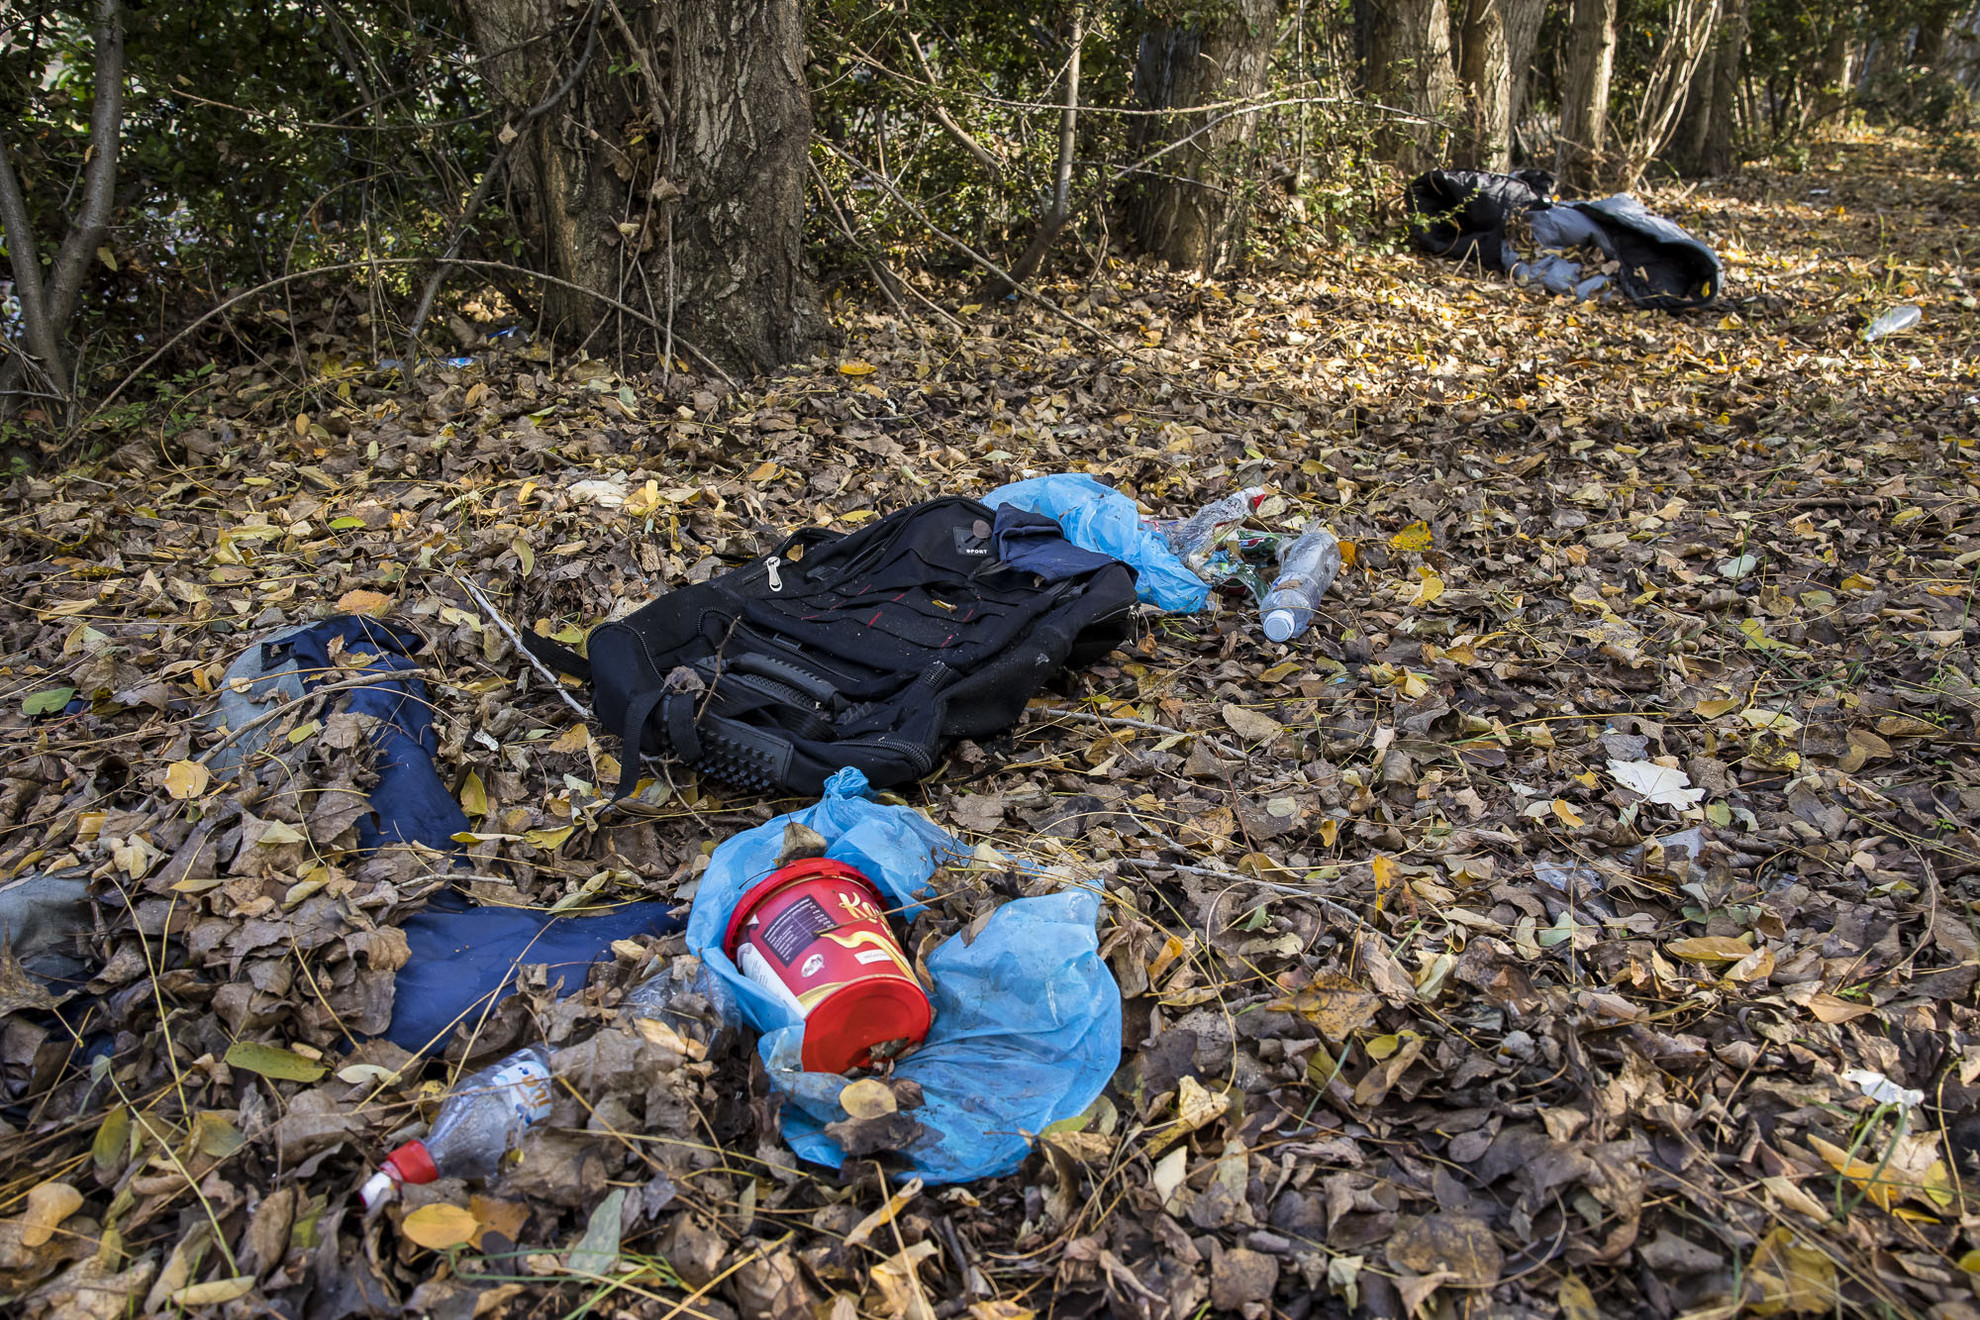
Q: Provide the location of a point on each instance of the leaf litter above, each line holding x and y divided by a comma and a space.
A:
1519, 939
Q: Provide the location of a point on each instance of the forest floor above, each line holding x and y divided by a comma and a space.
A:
1441, 1018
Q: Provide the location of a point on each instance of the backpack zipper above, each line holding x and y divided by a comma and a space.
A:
770, 567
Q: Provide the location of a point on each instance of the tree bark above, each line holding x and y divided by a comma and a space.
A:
1707, 141
1585, 93
678, 163
48, 304
1485, 72
1522, 36
1409, 69
1190, 210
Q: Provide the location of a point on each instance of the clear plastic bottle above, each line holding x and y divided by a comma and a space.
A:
1194, 537
1307, 568
1899, 318
483, 1120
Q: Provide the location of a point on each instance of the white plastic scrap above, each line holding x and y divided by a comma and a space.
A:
1882, 1089
1661, 784
608, 493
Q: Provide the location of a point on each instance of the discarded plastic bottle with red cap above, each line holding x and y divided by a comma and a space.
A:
1194, 537
481, 1122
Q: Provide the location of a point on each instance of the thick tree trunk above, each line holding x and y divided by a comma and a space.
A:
1707, 140
1585, 93
672, 173
1522, 36
1409, 69
1485, 72
1190, 208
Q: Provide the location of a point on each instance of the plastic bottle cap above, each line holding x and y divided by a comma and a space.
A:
412, 1163
376, 1188
1280, 625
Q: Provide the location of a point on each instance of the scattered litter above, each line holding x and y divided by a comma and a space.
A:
1027, 1018
1097, 517
1882, 1089
1471, 216
1895, 321
481, 1122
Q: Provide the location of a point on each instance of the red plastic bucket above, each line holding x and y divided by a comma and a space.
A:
813, 934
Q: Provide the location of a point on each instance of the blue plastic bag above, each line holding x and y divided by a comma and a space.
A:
1097, 517
1027, 1026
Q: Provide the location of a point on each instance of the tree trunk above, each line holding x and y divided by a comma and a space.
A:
1485, 71
1190, 207
1409, 69
1707, 141
47, 305
1522, 36
672, 173
1833, 80
1585, 93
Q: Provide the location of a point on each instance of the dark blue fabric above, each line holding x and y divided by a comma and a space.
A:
410, 804
1035, 543
464, 959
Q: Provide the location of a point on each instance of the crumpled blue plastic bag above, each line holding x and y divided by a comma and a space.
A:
1027, 1024
1097, 517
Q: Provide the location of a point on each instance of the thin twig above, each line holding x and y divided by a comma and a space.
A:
515, 640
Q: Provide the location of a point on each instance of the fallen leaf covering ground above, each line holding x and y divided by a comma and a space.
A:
1426, 1012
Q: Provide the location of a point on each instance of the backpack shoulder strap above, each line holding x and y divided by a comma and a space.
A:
555, 654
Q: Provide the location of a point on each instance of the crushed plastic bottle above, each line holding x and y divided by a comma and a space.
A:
1307, 568
481, 1122
1231, 575
1195, 537
1899, 318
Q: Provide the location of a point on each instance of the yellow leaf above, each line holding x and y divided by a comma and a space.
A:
1792, 1275
548, 839
363, 601
1429, 588
524, 555
474, 797
1329, 829
763, 472
185, 780
1387, 872
969, 309
213, 1291
302, 423
48, 1204
1279, 673
1416, 536
1909, 515
1709, 949
1567, 814
440, 1226
574, 739
1713, 709
867, 1098
1576, 1301
855, 367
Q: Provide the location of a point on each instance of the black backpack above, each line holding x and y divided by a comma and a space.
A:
874, 648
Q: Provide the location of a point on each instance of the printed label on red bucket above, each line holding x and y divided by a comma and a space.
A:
813, 935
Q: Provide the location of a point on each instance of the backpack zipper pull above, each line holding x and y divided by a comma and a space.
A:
770, 567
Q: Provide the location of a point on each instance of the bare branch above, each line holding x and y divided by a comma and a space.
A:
962, 139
